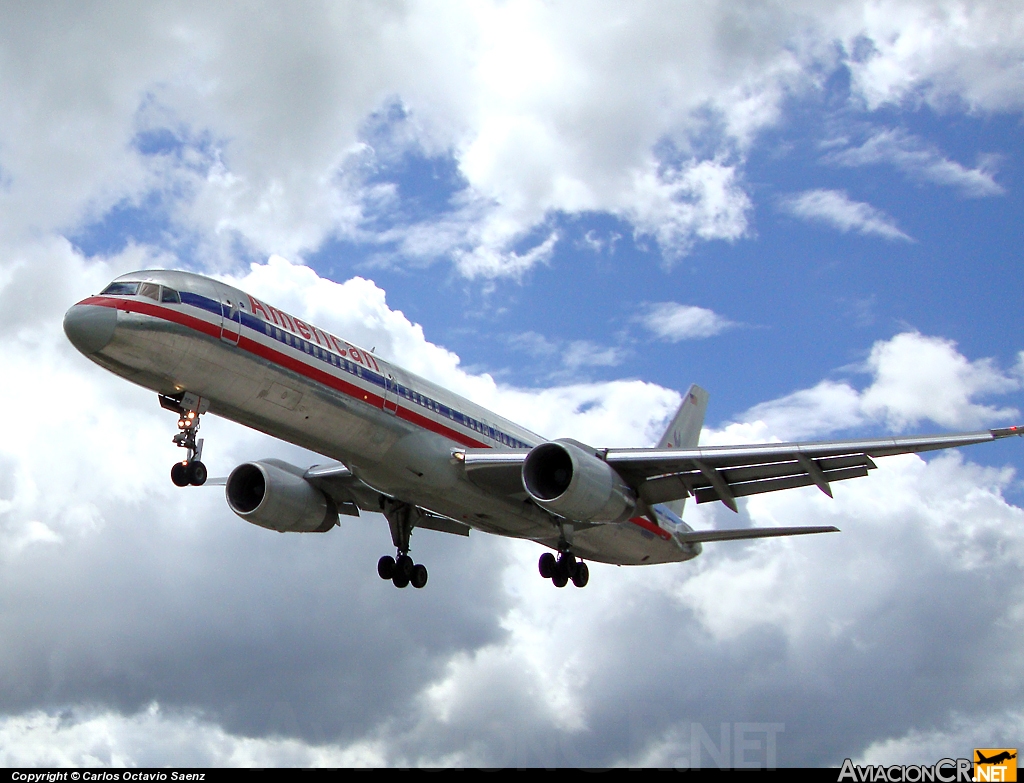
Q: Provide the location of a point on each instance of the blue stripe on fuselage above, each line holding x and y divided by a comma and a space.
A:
256, 324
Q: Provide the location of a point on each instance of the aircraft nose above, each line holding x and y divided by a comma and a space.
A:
90, 327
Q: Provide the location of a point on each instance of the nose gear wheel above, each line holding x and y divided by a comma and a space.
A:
190, 470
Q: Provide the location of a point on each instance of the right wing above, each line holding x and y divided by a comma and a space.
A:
728, 472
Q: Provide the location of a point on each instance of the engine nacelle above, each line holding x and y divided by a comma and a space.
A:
273, 494
567, 479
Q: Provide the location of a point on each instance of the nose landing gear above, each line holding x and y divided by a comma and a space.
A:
189, 408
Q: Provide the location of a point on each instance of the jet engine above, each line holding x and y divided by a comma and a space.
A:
568, 479
273, 494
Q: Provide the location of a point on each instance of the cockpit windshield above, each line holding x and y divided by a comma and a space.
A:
121, 289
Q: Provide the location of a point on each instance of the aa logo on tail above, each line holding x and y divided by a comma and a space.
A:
998, 764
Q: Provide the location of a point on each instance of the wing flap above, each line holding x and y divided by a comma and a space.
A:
742, 489
661, 489
432, 521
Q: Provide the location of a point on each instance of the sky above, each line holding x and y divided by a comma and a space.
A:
567, 212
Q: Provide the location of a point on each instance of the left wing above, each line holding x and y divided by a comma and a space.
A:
350, 494
728, 472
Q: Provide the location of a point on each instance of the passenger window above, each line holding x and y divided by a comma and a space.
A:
169, 295
150, 291
121, 289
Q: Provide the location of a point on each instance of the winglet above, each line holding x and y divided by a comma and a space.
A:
1006, 432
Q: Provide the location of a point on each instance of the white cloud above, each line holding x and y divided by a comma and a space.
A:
584, 353
911, 155
153, 738
918, 377
944, 54
836, 209
702, 200
957, 737
675, 322
915, 378
544, 109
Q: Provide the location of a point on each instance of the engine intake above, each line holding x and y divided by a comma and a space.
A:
273, 494
568, 479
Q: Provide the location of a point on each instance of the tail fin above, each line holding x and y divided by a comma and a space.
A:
684, 431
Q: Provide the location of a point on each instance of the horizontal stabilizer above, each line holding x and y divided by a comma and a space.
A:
750, 532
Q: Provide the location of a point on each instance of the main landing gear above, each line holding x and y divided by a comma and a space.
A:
401, 570
564, 569
189, 408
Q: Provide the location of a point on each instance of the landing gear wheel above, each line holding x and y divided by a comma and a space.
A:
419, 576
559, 579
189, 408
386, 567
402, 571
546, 565
402, 518
196, 473
405, 567
179, 474
582, 575
566, 566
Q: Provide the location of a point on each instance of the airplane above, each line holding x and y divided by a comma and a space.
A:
424, 456
996, 759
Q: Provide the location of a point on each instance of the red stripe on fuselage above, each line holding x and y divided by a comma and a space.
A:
284, 360
646, 524
155, 310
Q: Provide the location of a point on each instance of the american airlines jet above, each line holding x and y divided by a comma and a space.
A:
421, 455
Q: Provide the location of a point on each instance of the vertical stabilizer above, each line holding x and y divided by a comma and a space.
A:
684, 431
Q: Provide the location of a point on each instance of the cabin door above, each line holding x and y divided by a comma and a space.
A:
230, 322
390, 393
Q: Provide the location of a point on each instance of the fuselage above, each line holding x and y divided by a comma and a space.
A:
174, 332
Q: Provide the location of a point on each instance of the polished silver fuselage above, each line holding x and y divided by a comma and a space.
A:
397, 432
